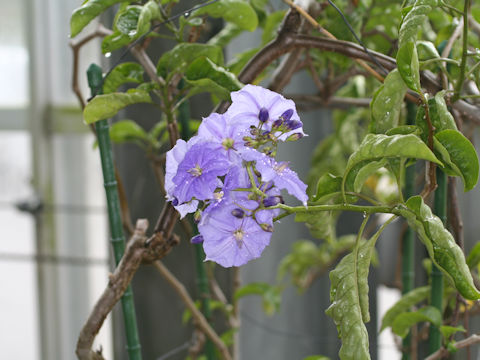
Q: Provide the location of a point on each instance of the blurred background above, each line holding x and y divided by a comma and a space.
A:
54, 252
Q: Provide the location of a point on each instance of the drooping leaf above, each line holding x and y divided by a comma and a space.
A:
239, 12
114, 41
404, 304
387, 103
441, 118
150, 11
349, 297
127, 72
440, 245
87, 12
205, 76
462, 154
405, 321
442, 153
182, 55
106, 106
327, 184
126, 130
375, 147
426, 50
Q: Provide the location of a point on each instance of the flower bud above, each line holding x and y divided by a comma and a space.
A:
295, 137
197, 216
292, 124
263, 115
266, 227
238, 213
287, 114
272, 201
197, 239
277, 123
175, 202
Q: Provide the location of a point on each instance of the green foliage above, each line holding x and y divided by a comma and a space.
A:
405, 321
448, 331
205, 76
316, 357
239, 12
87, 12
127, 72
307, 260
405, 303
127, 130
349, 297
440, 245
271, 295
181, 56
106, 106
474, 256
375, 147
387, 103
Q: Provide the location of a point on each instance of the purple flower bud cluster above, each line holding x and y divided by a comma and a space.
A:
228, 177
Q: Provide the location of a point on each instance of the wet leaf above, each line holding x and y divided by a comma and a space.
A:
182, 55
127, 130
127, 72
239, 12
106, 106
462, 154
87, 12
441, 246
387, 103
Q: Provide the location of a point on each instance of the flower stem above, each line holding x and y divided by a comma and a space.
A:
95, 81
463, 64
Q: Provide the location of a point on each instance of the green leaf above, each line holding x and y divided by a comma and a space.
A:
150, 11
127, 72
404, 130
440, 245
387, 103
414, 20
427, 50
442, 153
271, 295
106, 106
272, 23
441, 118
463, 155
316, 357
366, 171
127, 20
349, 297
448, 331
182, 55
239, 12
87, 12
126, 130
473, 257
224, 36
375, 147
405, 321
327, 184
404, 304
408, 66
114, 41
205, 76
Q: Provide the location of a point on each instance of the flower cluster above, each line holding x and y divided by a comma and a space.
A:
228, 176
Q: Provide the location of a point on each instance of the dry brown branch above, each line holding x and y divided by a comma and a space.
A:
139, 250
199, 318
459, 345
76, 45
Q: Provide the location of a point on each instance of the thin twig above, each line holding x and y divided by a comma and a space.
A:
458, 345
200, 320
461, 76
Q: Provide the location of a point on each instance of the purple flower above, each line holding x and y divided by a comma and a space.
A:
174, 157
232, 241
198, 172
253, 105
278, 173
217, 129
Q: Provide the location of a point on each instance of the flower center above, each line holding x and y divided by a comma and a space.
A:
218, 195
238, 234
227, 143
196, 171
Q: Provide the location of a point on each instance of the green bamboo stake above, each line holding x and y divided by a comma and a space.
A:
440, 209
408, 241
202, 281
95, 82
